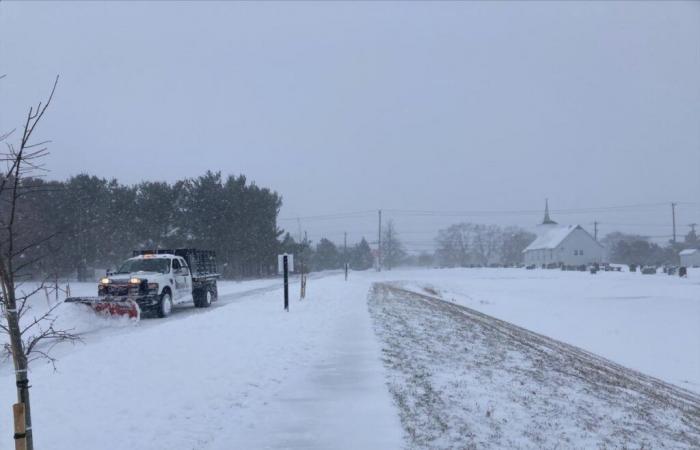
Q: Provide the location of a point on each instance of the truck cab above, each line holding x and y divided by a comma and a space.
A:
162, 274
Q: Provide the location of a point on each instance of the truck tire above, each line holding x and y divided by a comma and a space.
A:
165, 305
202, 298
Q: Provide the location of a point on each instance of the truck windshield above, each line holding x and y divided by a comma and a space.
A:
145, 265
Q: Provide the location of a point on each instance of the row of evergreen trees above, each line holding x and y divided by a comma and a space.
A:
326, 255
91, 222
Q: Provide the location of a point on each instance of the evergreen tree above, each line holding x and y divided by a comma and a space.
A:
361, 257
99, 222
326, 256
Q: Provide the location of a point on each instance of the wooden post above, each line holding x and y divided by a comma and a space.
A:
301, 281
303, 286
20, 426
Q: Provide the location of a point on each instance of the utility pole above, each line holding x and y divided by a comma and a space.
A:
379, 244
673, 215
345, 253
389, 245
595, 230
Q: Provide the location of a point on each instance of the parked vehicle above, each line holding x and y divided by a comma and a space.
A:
648, 270
153, 281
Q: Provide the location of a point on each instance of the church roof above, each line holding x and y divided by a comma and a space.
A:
551, 239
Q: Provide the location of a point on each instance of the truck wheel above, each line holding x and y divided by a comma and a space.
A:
165, 305
202, 298
206, 299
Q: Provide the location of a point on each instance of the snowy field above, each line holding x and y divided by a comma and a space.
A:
650, 323
246, 374
463, 379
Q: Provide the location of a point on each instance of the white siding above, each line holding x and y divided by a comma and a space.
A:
691, 260
579, 248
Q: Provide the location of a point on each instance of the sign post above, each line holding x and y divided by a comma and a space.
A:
285, 263
286, 282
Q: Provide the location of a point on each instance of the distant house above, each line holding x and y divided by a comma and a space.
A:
690, 257
568, 245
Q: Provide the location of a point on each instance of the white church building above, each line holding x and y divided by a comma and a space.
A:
568, 245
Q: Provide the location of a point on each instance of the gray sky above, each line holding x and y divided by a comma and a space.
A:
358, 106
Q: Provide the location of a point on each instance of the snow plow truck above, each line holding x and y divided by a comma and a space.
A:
152, 282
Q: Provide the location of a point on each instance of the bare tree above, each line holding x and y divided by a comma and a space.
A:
392, 248
487, 244
454, 245
514, 242
31, 336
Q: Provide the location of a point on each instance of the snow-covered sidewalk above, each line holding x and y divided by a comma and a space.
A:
244, 375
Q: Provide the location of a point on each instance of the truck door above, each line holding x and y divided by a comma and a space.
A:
181, 275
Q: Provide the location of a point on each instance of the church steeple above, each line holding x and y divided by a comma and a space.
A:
547, 220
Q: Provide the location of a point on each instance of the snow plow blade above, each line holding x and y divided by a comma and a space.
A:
112, 306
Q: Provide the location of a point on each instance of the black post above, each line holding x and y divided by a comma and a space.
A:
346, 271
286, 282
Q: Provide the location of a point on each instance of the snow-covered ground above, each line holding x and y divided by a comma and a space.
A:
650, 323
243, 375
246, 374
463, 379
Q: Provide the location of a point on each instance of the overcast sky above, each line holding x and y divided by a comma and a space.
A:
346, 107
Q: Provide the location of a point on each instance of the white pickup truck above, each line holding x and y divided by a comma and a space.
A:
153, 281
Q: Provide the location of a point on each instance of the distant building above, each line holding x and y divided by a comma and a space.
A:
690, 257
568, 245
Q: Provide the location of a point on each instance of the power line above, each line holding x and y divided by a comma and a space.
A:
334, 216
618, 208
450, 213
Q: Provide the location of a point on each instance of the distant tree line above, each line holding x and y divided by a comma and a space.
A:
469, 244
92, 222
636, 249
87, 222
326, 255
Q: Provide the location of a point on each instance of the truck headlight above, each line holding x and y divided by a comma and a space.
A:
105, 280
135, 280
